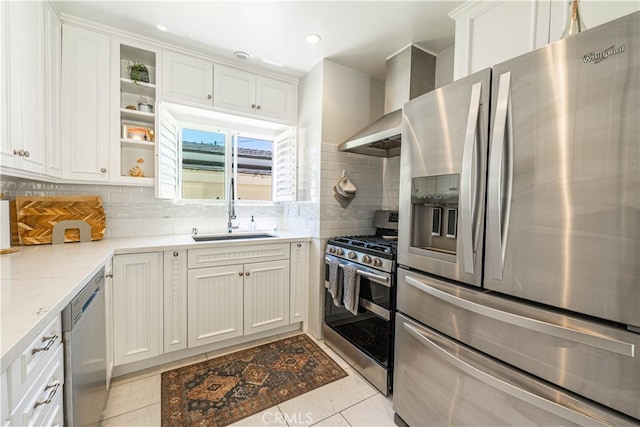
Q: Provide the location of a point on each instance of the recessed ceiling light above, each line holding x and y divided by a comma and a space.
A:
241, 55
161, 27
270, 62
313, 38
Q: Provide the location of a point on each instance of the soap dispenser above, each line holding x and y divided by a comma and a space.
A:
252, 224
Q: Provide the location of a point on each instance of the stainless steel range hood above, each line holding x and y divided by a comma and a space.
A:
410, 73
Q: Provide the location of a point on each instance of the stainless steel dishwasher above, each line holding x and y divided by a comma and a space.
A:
85, 368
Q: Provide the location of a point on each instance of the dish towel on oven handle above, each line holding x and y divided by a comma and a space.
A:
351, 288
335, 285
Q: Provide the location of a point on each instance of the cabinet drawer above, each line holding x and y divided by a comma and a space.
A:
45, 395
29, 365
217, 256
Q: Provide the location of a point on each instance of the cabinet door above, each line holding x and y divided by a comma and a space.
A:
275, 99
6, 152
175, 300
85, 104
266, 296
187, 78
137, 307
53, 70
24, 148
482, 28
594, 13
234, 90
214, 304
108, 319
299, 281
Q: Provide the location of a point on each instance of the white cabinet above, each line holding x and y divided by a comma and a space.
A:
43, 404
490, 32
244, 92
175, 300
594, 13
53, 74
215, 296
85, 104
299, 282
137, 307
187, 78
23, 148
32, 386
236, 291
133, 97
266, 296
5, 147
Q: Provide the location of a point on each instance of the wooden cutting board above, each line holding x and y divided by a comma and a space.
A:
37, 215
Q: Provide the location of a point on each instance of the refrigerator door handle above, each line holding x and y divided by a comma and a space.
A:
468, 182
523, 395
500, 178
561, 332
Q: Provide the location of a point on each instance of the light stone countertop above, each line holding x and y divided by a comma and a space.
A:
38, 282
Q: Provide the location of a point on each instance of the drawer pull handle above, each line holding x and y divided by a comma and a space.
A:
54, 389
51, 339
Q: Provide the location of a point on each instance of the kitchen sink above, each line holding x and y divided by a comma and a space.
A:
223, 237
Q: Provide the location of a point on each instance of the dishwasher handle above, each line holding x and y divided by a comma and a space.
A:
72, 313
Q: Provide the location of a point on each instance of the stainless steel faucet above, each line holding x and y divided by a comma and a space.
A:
231, 208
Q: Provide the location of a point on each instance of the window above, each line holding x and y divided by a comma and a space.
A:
211, 148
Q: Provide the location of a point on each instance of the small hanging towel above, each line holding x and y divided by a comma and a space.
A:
351, 289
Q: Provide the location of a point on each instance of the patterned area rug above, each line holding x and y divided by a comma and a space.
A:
226, 389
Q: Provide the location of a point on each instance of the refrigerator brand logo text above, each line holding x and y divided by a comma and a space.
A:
601, 56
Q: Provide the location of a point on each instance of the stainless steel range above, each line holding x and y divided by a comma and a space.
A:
365, 339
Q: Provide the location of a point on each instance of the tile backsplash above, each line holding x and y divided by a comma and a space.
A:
134, 211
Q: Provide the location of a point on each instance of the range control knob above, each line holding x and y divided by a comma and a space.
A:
352, 255
377, 262
339, 252
366, 259
332, 250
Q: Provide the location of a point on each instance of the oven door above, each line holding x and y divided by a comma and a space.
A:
371, 330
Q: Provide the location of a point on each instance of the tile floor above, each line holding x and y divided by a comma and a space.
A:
134, 399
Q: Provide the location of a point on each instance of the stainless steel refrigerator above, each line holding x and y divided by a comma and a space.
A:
519, 240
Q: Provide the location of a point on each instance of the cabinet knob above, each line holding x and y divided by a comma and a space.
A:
248, 273
18, 152
175, 253
241, 273
103, 170
299, 245
208, 96
26, 153
253, 105
259, 107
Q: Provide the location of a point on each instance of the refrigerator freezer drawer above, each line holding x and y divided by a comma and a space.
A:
440, 382
595, 360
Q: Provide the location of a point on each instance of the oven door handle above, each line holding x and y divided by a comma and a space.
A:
383, 280
374, 308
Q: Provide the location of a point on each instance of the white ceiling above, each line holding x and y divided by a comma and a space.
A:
357, 34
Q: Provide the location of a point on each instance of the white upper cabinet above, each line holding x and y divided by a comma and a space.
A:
234, 90
23, 148
53, 74
187, 78
594, 13
245, 92
490, 32
85, 104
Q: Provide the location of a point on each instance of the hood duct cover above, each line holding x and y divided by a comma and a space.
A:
409, 74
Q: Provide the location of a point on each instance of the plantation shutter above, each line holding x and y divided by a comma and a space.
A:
167, 155
285, 166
